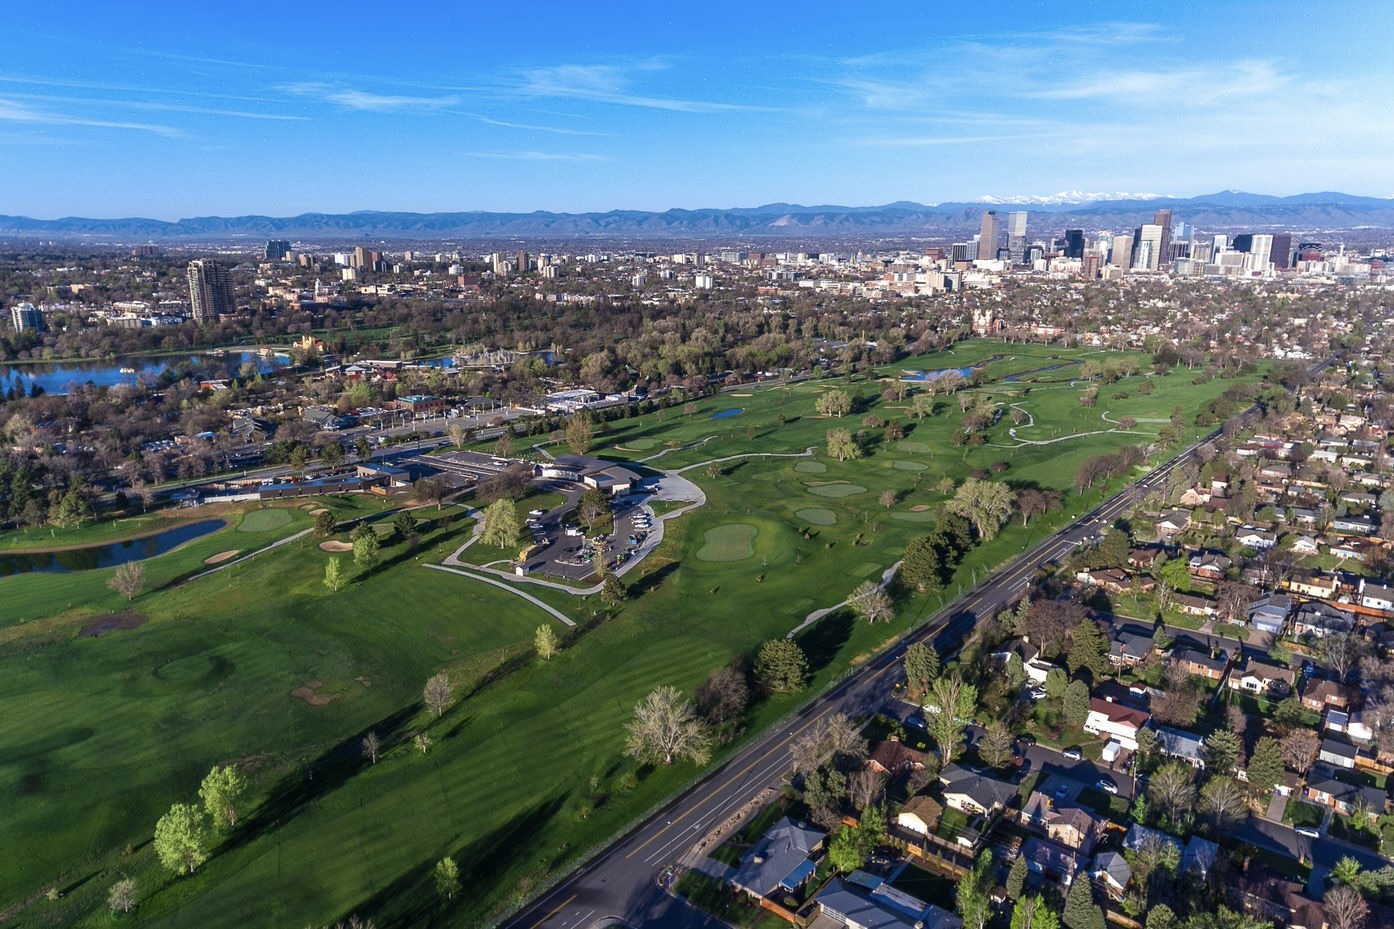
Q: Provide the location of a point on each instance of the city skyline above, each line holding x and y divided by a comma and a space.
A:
174, 116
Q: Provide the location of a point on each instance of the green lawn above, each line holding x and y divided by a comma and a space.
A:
101, 735
927, 886
724, 903
1299, 813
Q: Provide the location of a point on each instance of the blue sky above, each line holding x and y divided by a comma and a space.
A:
170, 110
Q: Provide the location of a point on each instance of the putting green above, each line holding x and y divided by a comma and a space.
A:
837, 491
817, 516
903, 465
641, 443
922, 517
910, 446
263, 520
811, 467
864, 569
728, 543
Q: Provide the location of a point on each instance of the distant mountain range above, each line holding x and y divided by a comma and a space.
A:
1226, 211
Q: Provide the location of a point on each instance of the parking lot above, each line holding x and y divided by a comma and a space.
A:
565, 550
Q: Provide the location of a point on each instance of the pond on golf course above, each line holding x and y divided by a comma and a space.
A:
108, 555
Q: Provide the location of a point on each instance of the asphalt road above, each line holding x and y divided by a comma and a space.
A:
620, 886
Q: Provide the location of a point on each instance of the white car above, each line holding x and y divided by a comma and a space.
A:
534, 513
1307, 831
1072, 754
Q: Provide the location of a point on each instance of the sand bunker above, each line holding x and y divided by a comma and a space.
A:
919, 508
742, 395
222, 556
318, 510
307, 692
334, 545
111, 623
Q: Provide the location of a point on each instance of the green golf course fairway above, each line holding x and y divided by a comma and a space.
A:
262, 665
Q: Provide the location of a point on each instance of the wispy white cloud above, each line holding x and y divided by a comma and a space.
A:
14, 111
156, 106
489, 121
535, 156
610, 84
354, 99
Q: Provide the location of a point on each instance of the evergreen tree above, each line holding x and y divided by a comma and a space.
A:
1016, 877
1222, 749
921, 669
1080, 909
921, 567
1265, 767
1076, 703
781, 666
1088, 650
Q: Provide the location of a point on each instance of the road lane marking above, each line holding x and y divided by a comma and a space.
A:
560, 906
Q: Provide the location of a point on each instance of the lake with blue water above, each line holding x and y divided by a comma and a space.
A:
55, 377
109, 555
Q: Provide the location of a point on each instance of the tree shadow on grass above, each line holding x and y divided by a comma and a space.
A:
652, 580
826, 638
412, 899
309, 782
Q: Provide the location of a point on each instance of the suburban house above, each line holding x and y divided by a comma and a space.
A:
1351, 725
1318, 694
1263, 679
1313, 584
864, 901
782, 859
1354, 525
1377, 597
894, 759
1115, 721
1172, 522
1199, 856
1345, 798
1199, 664
973, 793
1112, 870
1320, 619
1143, 558
1115, 581
1336, 753
1210, 566
1278, 900
1256, 538
1138, 834
1194, 605
920, 814
1129, 648
1305, 545
1269, 614
1036, 667
1051, 861
1187, 746
1073, 828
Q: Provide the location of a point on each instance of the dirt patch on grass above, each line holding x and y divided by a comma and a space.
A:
111, 623
919, 508
309, 692
222, 556
318, 510
334, 545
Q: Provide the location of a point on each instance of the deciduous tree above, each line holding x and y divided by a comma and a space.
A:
372, 746
834, 738
333, 574
951, 706
871, 602
996, 745
845, 851
1224, 802
1345, 908
447, 875
833, 403
986, 504
1299, 749
121, 896
501, 524
545, 642
221, 793
723, 696
128, 580
181, 839
665, 728
972, 898
438, 692
842, 446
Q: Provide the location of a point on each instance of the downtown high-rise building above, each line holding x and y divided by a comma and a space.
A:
276, 249
1162, 218
988, 236
210, 290
1016, 236
1074, 243
1151, 246
1121, 254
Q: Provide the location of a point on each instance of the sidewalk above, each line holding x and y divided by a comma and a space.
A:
1276, 806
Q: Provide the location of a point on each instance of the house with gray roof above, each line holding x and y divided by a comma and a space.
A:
782, 859
856, 905
1187, 746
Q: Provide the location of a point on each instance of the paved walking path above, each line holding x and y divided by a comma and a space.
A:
806, 453
250, 555
508, 587
887, 576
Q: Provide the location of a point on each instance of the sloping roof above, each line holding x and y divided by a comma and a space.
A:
1138, 833
1199, 855
1117, 713
778, 854
868, 911
895, 756
1115, 866
1180, 744
983, 790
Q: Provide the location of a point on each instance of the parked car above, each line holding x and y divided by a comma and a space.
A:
916, 721
1036, 693
1307, 831
1107, 786
1062, 791
1072, 754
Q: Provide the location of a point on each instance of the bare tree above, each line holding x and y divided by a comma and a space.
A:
121, 898
1345, 908
864, 786
1299, 749
996, 745
665, 728
871, 602
724, 695
1343, 651
1172, 790
372, 746
1224, 800
834, 737
129, 580
437, 693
